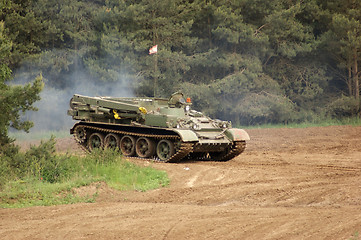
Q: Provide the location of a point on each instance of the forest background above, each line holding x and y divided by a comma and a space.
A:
248, 61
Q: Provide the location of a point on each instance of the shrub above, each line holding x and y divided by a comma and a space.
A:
38, 162
343, 107
42, 162
265, 108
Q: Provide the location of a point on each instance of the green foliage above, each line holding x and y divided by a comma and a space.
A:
288, 35
13, 99
39, 162
266, 108
343, 107
344, 41
42, 177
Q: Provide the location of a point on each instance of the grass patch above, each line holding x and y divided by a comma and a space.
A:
39, 177
38, 135
34, 192
121, 174
353, 121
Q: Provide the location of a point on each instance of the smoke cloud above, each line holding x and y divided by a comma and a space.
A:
54, 103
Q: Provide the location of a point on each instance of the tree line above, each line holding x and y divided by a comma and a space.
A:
249, 61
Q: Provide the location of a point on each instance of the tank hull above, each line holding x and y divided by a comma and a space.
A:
153, 128
186, 143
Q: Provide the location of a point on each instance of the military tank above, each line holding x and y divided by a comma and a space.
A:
162, 129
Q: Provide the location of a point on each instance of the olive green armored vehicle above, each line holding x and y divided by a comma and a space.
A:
153, 128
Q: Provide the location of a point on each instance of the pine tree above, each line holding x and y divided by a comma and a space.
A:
28, 33
345, 39
13, 99
69, 39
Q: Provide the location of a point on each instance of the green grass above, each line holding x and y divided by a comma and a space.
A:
35, 192
39, 177
122, 174
38, 135
355, 121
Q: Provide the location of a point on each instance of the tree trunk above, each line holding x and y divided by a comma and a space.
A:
356, 82
350, 82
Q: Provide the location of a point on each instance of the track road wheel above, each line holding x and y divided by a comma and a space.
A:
96, 140
145, 147
165, 150
112, 141
127, 145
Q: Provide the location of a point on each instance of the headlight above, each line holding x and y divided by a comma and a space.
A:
196, 127
224, 124
188, 108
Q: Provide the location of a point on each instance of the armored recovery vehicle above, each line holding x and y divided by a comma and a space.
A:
153, 128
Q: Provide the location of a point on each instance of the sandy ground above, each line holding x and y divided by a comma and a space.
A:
288, 184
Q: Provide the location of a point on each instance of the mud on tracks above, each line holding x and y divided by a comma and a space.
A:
288, 184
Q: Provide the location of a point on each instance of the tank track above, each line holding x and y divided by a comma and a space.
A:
236, 149
182, 151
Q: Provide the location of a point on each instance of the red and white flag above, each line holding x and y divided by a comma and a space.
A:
153, 49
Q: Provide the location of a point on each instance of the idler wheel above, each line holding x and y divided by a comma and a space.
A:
145, 147
127, 145
80, 134
96, 140
165, 150
112, 141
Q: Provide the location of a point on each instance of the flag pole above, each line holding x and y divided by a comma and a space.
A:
155, 75
154, 50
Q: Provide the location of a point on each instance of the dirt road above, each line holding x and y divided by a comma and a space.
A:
288, 184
